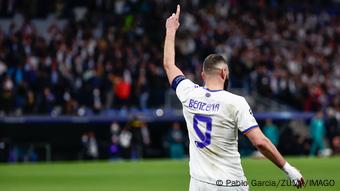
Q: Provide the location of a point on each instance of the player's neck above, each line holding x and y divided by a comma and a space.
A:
213, 85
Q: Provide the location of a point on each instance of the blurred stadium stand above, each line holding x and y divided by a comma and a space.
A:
68, 64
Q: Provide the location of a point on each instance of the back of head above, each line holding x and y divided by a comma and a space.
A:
215, 71
213, 63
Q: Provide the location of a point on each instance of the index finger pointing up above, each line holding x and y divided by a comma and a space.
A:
178, 11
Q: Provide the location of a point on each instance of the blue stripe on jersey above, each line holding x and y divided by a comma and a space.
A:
250, 128
176, 81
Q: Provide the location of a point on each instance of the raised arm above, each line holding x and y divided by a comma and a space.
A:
172, 24
263, 144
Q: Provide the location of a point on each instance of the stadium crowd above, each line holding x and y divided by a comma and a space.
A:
111, 57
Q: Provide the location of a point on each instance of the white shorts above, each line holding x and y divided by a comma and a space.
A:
196, 185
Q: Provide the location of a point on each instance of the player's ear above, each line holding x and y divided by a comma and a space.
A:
203, 76
223, 74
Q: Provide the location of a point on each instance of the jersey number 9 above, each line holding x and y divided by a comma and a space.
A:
205, 137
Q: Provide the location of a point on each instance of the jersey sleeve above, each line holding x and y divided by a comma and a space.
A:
183, 87
244, 117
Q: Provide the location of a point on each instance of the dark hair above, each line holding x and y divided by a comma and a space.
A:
211, 61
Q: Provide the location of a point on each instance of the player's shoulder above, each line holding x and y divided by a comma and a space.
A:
183, 83
234, 102
233, 98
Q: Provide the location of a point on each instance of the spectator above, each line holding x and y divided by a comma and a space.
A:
125, 143
139, 137
114, 147
7, 95
176, 142
90, 147
331, 127
122, 91
317, 132
271, 131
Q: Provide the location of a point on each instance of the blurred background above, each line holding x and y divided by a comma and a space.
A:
83, 79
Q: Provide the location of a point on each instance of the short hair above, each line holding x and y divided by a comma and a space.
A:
212, 62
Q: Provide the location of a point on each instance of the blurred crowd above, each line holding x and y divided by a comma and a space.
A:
109, 55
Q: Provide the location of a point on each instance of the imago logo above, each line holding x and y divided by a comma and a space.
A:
219, 182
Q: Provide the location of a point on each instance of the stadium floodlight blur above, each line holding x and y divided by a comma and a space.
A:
98, 62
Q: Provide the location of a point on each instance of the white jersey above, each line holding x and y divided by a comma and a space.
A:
213, 119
